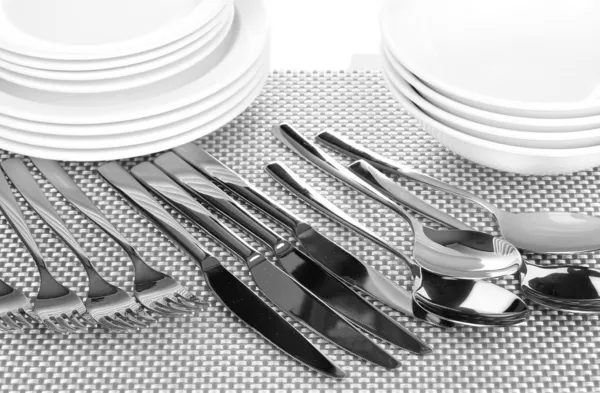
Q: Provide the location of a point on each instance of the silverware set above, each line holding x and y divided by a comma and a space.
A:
58, 307
315, 282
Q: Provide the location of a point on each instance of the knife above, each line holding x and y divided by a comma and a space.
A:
294, 262
230, 291
281, 289
331, 256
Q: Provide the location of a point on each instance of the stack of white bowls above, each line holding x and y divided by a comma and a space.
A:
509, 84
86, 80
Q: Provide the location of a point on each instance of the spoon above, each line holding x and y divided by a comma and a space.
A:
466, 253
538, 232
567, 288
477, 303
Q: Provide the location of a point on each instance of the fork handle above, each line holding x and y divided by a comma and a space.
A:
13, 214
19, 175
61, 180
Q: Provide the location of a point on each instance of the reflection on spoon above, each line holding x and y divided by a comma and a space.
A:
541, 232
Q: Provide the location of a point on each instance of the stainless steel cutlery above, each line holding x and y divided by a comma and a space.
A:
540, 232
230, 291
461, 301
278, 287
16, 311
294, 262
331, 256
567, 288
59, 308
107, 304
459, 254
153, 289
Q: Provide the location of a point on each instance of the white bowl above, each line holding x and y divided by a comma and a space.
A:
507, 158
492, 118
553, 140
533, 58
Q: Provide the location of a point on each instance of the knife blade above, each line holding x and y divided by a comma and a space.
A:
294, 262
331, 256
230, 291
281, 289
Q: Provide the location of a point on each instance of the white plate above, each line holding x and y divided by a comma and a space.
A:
167, 143
212, 31
204, 111
554, 140
248, 35
115, 62
492, 118
531, 58
98, 29
507, 158
112, 130
212, 48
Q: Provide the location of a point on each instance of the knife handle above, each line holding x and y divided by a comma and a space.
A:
305, 149
199, 186
161, 184
217, 172
138, 197
300, 188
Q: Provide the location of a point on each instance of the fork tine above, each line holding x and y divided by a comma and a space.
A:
108, 323
131, 318
166, 309
10, 322
25, 324
194, 305
192, 298
75, 319
65, 324
5, 327
175, 304
119, 320
31, 316
53, 326
147, 318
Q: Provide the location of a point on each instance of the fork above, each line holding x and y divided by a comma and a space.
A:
153, 289
58, 307
15, 309
108, 305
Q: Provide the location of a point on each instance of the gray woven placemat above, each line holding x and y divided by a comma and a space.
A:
212, 351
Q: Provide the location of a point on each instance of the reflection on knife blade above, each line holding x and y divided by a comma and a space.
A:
306, 271
332, 257
281, 289
238, 298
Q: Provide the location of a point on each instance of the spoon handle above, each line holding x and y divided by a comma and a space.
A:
393, 190
305, 149
354, 150
282, 174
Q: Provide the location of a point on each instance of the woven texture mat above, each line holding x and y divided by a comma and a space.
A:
213, 351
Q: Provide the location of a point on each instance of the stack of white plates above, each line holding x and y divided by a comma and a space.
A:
509, 84
86, 80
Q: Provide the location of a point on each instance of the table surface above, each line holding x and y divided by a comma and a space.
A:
213, 351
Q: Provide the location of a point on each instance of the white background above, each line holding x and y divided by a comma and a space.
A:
324, 34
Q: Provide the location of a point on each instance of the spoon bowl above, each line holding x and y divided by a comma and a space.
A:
461, 301
550, 232
542, 232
